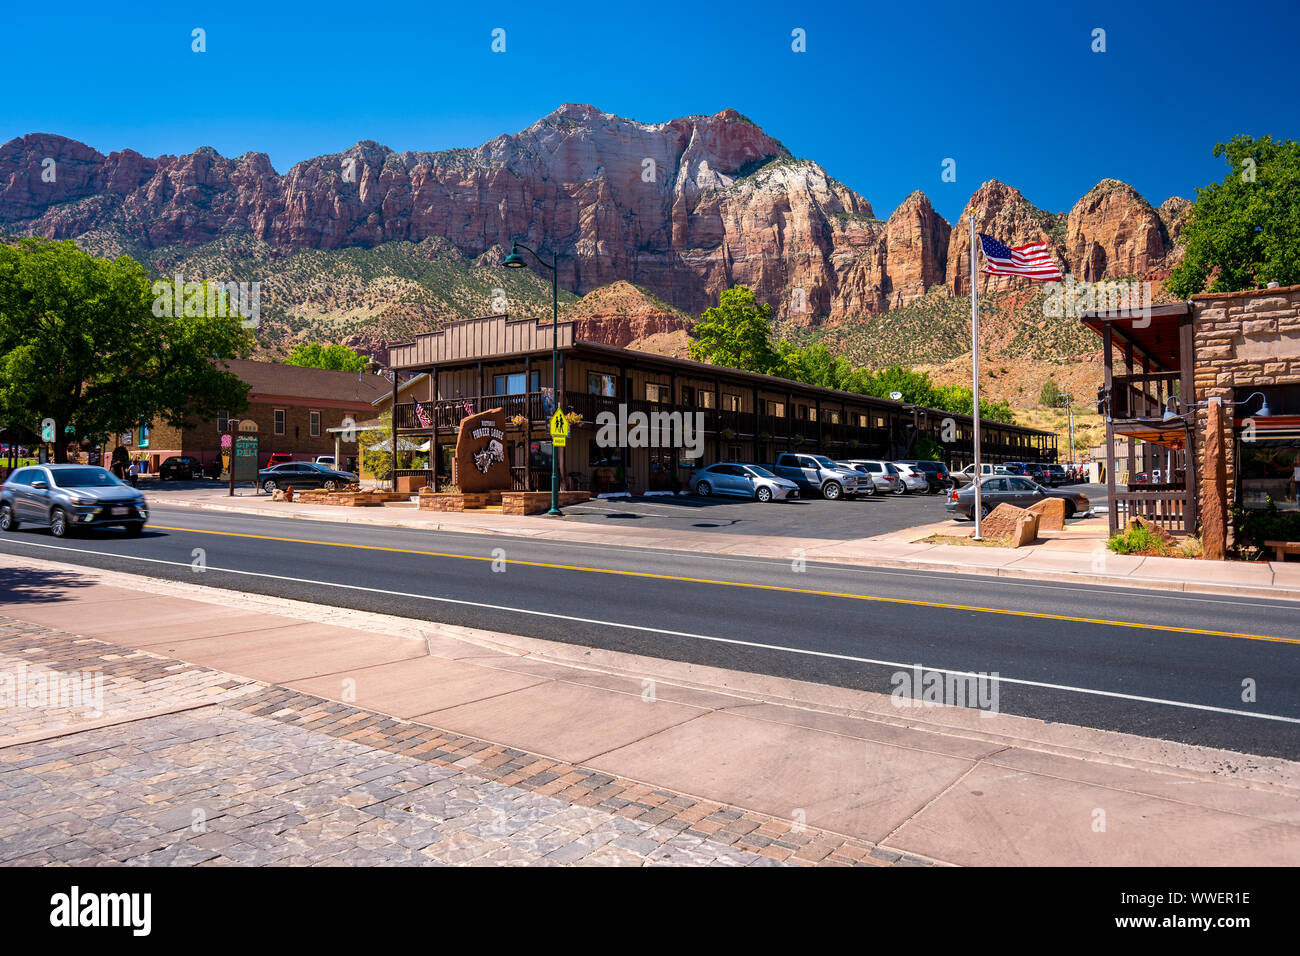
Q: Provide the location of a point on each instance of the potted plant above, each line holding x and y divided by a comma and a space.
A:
573, 418
727, 434
519, 421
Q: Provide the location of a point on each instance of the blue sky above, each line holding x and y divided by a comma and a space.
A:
884, 93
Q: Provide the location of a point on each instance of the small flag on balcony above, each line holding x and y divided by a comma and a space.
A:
469, 409
1032, 261
422, 415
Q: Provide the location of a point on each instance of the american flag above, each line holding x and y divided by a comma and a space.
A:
422, 415
1032, 261
469, 409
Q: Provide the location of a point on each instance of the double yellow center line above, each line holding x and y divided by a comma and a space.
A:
650, 575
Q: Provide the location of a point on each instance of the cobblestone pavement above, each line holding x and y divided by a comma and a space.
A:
177, 764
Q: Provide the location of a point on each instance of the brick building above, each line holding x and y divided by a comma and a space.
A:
294, 409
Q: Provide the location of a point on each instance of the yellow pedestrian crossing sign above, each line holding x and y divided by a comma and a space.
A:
559, 429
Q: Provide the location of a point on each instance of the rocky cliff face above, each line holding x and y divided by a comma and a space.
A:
684, 208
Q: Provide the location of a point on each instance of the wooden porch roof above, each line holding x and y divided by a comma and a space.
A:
1156, 336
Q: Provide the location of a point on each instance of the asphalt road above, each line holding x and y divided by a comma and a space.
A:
1155, 664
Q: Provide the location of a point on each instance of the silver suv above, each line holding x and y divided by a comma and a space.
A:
67, 497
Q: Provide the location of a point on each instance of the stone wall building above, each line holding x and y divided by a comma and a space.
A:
1248, 342
1170, 372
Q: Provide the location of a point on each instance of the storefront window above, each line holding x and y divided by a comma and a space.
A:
1268, 470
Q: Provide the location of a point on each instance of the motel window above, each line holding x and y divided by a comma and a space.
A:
735, 453
600, 383
223, 421
731, 403
776, 409
862, 421
279, 421
835, 417
658, 393
513, 383
688, 396
706, 399
315, 424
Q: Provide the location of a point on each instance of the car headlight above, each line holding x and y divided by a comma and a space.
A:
78, 500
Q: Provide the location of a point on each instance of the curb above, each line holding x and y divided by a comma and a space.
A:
945, 567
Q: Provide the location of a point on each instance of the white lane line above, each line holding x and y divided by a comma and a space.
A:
697, 637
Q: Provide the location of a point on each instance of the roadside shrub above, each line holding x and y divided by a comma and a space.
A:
1255, 526
1136, 540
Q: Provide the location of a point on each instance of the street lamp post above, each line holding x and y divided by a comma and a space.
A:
515, 261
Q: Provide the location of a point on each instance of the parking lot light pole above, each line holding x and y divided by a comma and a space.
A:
515, 261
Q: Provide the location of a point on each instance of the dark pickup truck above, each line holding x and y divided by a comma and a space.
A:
817, 473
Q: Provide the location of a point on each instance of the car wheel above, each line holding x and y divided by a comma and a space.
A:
1070, 509
330, 485
133, 529
7, 520
900, 489
985, 509
763, 494
269, 487
59, 526
832, 491
704, 489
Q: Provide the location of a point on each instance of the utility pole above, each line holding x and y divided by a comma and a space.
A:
1067, 399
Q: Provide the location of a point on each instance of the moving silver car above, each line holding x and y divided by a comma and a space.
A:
67, 497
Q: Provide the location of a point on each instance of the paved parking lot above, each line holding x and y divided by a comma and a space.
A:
808, 518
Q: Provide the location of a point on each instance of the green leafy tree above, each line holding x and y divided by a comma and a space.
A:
1244, 232
338, 358
1049, 396
737, 333
80, 343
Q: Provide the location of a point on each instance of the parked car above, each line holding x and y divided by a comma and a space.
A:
1017, 490
1037, 471
181, 467
913, 478
67, 497
1013, 468
743, 481
884, 476
326, 460
936, 473
1058, 475
278, 458
816, 474
964, 475
303, 474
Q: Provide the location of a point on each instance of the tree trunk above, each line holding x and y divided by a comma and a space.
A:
60, 444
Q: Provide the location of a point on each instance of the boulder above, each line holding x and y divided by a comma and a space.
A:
1051, 513
1001, 521
1025, 531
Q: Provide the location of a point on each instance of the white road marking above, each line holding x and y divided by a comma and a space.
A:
698, 637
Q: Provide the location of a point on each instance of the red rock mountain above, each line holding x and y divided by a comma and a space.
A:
684, 209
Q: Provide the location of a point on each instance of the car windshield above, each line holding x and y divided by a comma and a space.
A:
760, 471
823, 461
85, 478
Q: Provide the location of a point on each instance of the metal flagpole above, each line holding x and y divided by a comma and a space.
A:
975, 372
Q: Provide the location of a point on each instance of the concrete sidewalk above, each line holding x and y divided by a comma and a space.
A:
1076, 554
768, 767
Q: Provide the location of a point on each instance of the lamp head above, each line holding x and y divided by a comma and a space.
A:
514, 260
